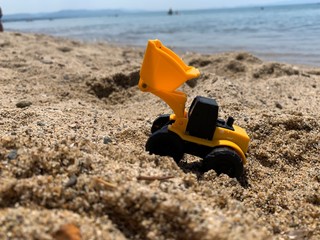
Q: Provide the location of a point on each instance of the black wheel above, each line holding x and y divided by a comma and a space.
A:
165, 143
224, 160
160, 122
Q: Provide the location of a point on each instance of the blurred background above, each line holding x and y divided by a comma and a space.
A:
285, 31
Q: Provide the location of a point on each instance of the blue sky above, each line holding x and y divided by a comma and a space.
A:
36, 6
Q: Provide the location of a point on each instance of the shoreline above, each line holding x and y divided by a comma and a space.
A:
273, 34
284, 58
74, 125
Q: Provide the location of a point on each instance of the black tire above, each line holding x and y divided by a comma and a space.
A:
160, 122
224, 160
165, 143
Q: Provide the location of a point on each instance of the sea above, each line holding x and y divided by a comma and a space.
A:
274, 33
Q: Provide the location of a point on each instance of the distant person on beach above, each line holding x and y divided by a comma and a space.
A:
1, 27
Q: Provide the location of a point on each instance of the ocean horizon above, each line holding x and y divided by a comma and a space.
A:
275, 33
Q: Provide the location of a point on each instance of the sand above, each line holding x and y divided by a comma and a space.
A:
73, 127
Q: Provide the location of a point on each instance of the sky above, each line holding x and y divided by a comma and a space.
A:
40, 6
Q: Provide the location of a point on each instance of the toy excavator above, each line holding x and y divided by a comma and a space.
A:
199, 131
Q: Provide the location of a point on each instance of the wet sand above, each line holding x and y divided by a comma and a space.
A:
73, 127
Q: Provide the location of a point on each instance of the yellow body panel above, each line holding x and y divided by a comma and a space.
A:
237, 139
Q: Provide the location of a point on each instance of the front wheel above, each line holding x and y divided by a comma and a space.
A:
165, 143
160, 122
224, 160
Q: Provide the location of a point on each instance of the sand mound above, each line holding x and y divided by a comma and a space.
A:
73, 128
115, 89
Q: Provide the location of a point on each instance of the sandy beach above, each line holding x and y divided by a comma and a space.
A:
73, 128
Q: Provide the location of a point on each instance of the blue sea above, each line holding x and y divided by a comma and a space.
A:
276, 33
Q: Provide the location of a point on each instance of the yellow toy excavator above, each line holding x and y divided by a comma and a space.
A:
198, 131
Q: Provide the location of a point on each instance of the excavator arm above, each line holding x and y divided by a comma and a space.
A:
162, 72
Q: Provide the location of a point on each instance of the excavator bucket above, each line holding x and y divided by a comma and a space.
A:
163, 70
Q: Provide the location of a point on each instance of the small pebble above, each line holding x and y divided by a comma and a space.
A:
64, 49
68, 232
298, 234
23, 104
13, 154
192, 83
71, 182
278, 105
41, 124
106, 140
46, 61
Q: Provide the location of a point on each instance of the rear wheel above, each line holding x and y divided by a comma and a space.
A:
224, 160
160, 122
165, 143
